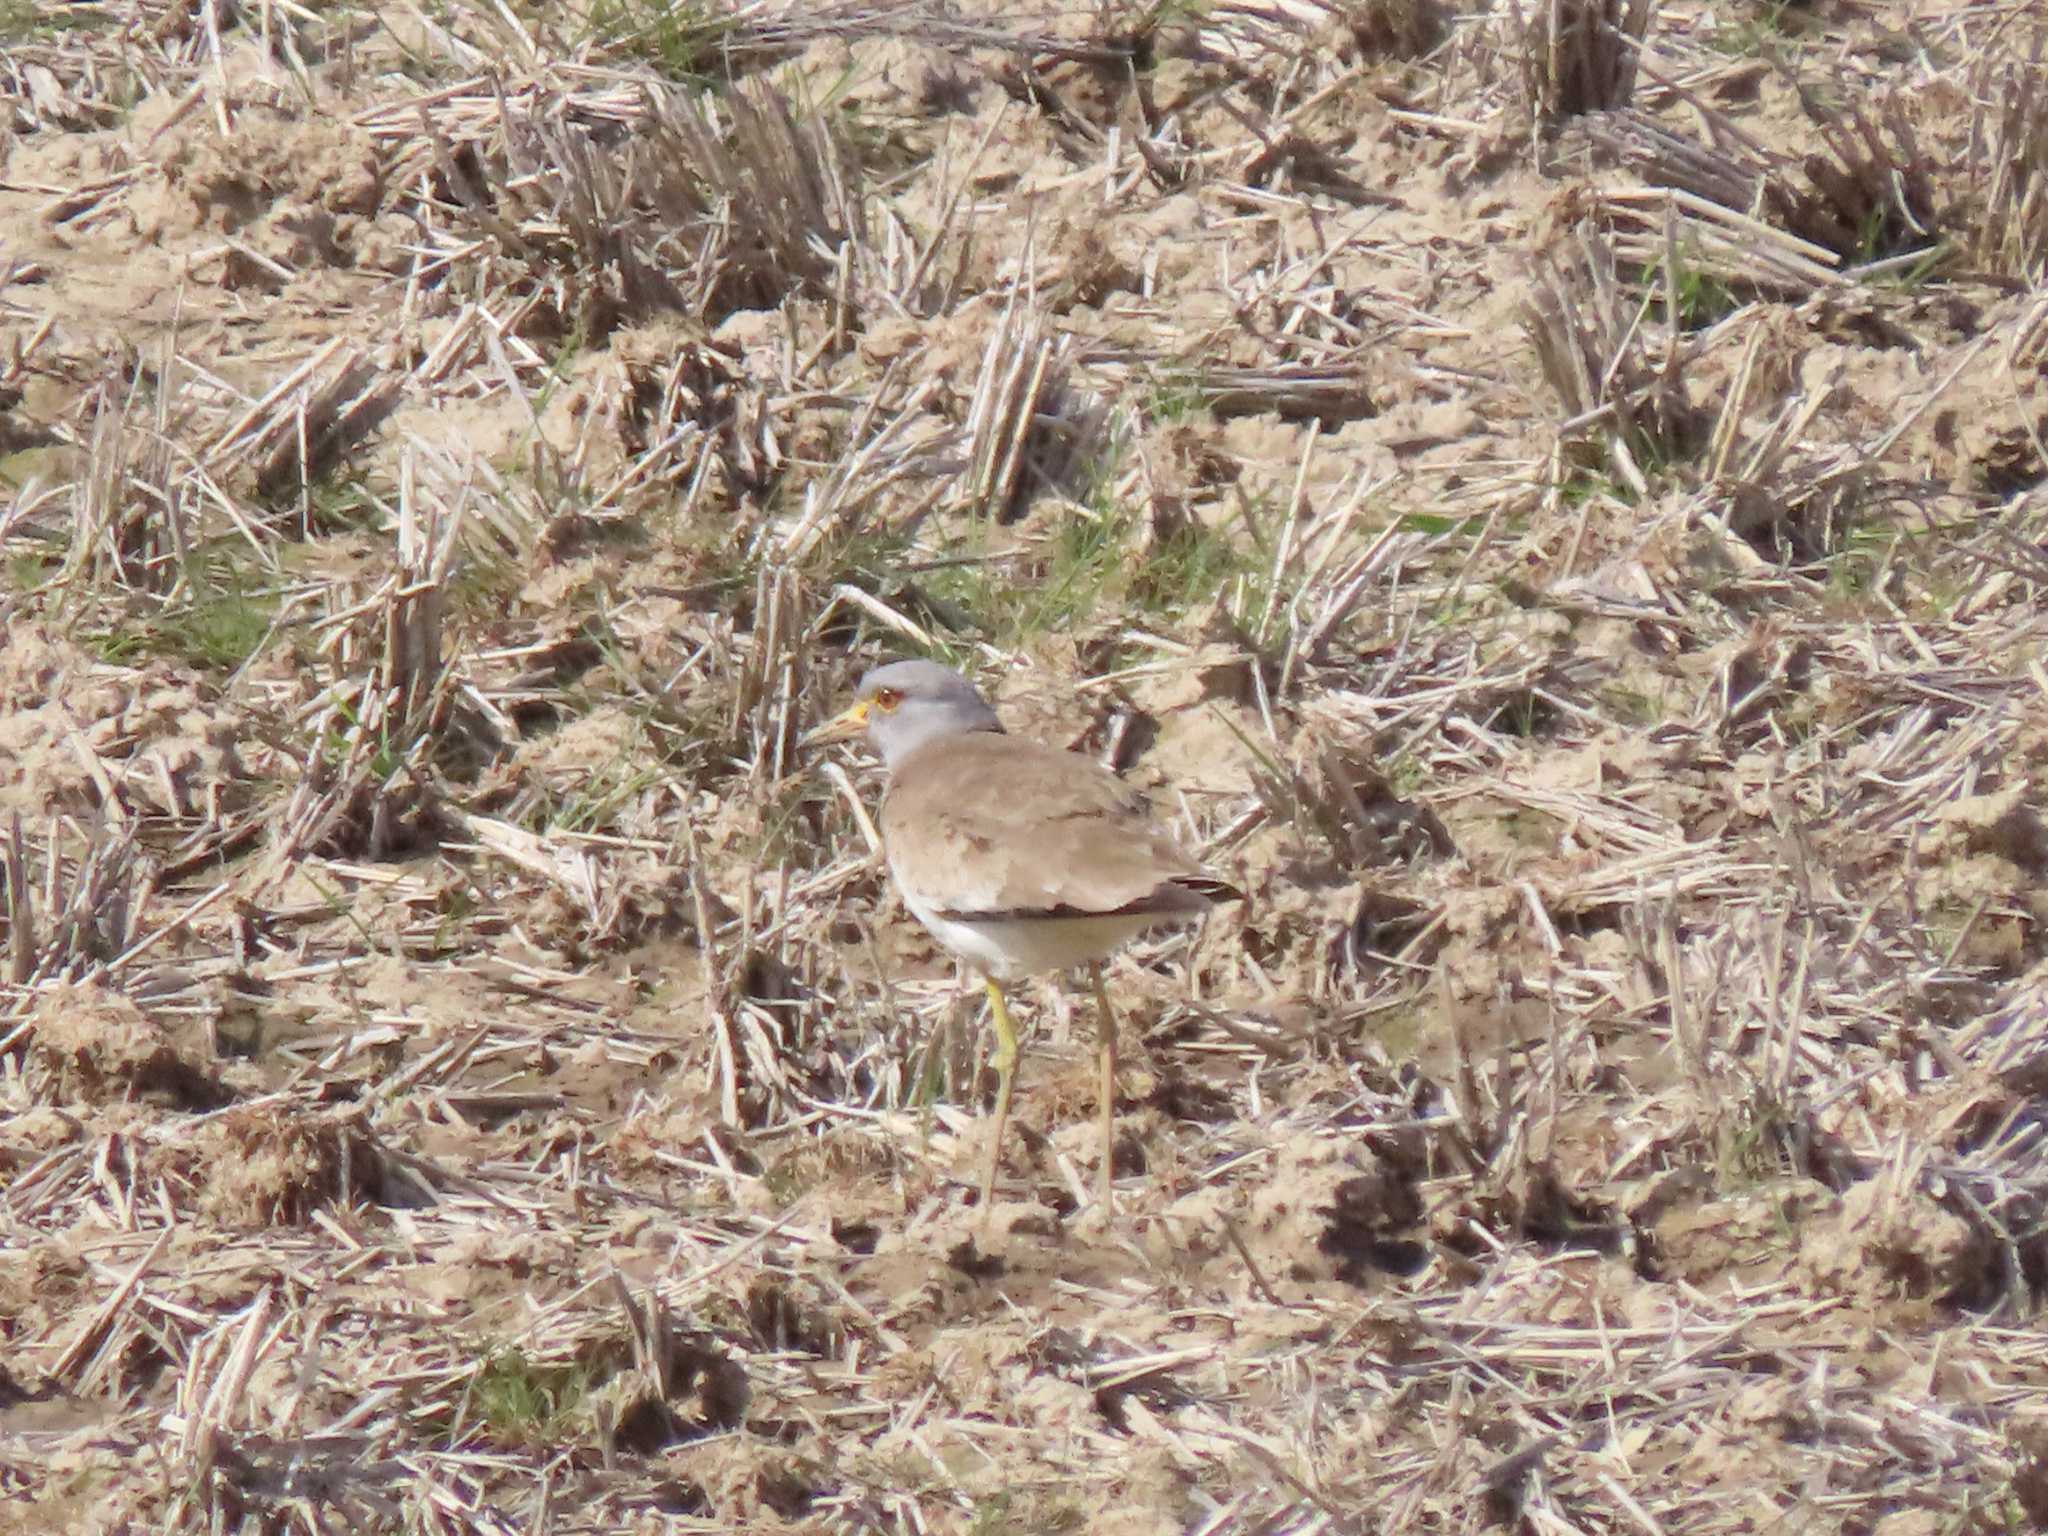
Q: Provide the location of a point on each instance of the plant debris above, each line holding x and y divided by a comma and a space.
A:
1546, 496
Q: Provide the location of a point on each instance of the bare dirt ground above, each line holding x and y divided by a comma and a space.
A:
1557, 518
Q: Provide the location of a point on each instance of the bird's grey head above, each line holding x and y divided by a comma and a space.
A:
907, 704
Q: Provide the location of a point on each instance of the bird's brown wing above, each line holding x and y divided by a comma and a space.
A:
984, 826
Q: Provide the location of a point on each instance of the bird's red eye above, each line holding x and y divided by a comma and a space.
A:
887, 699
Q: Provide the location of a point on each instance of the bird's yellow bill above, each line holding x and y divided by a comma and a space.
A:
843, 726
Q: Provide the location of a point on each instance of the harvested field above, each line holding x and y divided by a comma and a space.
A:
1549, 498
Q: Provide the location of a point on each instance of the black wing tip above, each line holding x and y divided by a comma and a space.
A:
1182, 898
1210, 889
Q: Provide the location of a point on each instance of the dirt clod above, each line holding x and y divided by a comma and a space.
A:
91, 1045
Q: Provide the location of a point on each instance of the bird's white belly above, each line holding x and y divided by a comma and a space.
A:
1007, 947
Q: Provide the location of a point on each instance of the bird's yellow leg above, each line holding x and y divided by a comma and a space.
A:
1106, 1023
1004, 1059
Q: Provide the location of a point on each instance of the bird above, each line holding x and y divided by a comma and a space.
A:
1020, 858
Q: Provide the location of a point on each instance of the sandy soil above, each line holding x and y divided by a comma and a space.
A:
463, 1068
